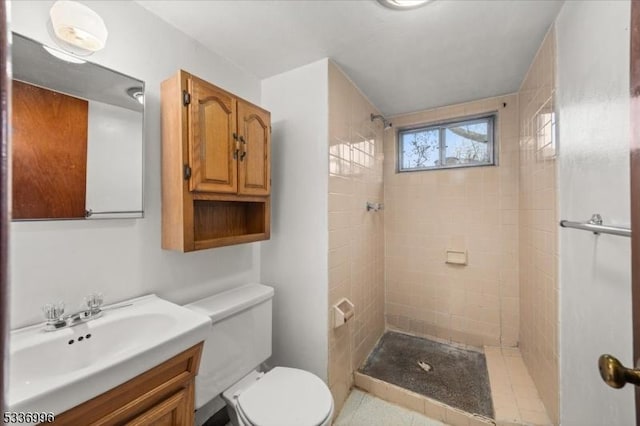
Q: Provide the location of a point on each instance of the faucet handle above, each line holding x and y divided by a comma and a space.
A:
53, 311
94, 301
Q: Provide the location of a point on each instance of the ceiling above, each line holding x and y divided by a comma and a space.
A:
443, 53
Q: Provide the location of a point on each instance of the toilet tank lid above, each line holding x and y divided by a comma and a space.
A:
222, 305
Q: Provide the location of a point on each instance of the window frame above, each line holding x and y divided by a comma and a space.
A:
441, 126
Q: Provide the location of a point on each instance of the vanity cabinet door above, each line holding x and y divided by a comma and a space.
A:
174, 411
212, 139
255, 141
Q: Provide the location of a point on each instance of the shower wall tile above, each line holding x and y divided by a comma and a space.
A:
473, 209
538, 226
356, 237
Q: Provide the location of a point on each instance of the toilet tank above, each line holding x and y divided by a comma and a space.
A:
239, 339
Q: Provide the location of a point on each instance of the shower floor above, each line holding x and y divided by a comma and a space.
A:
458, 377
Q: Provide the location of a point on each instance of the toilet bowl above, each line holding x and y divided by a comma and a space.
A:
281, 397
238, 343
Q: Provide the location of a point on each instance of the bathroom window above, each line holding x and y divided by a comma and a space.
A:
465, 142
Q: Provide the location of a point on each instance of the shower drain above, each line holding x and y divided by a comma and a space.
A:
425, 366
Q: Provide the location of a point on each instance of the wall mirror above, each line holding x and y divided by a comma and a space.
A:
77, 137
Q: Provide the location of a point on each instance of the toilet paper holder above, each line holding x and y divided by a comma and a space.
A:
343, 311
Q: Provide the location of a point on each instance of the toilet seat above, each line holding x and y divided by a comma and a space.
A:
286, 397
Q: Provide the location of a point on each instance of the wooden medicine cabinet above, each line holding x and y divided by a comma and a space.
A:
216, 174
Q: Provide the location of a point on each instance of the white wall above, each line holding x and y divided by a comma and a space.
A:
295, 260
66, 260
595, 289
114, 156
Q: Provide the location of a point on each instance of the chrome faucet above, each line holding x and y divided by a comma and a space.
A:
54, 313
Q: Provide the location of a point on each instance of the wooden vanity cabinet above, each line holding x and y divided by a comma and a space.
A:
164, 395
216, 173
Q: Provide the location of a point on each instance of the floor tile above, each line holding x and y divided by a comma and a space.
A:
351, 405
362, 409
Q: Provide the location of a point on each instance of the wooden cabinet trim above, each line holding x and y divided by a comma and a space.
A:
177, 227
226, 197
169, 406
239, 98
228, 241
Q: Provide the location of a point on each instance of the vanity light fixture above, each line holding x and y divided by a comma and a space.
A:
136, 93
78, 29
64, 56
403, 4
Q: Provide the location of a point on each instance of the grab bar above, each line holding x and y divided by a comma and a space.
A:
595, 225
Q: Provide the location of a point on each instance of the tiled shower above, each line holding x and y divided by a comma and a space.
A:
472, 209
391, 263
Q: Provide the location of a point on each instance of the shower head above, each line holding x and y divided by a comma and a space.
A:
387, 124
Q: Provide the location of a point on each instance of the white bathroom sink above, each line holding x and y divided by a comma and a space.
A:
52, 371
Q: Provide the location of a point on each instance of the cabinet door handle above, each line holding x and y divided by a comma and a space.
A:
235, 152
244, 148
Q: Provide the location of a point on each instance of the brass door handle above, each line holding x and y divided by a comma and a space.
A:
615, 374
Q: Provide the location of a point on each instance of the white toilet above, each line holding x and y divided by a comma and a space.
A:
239, 341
